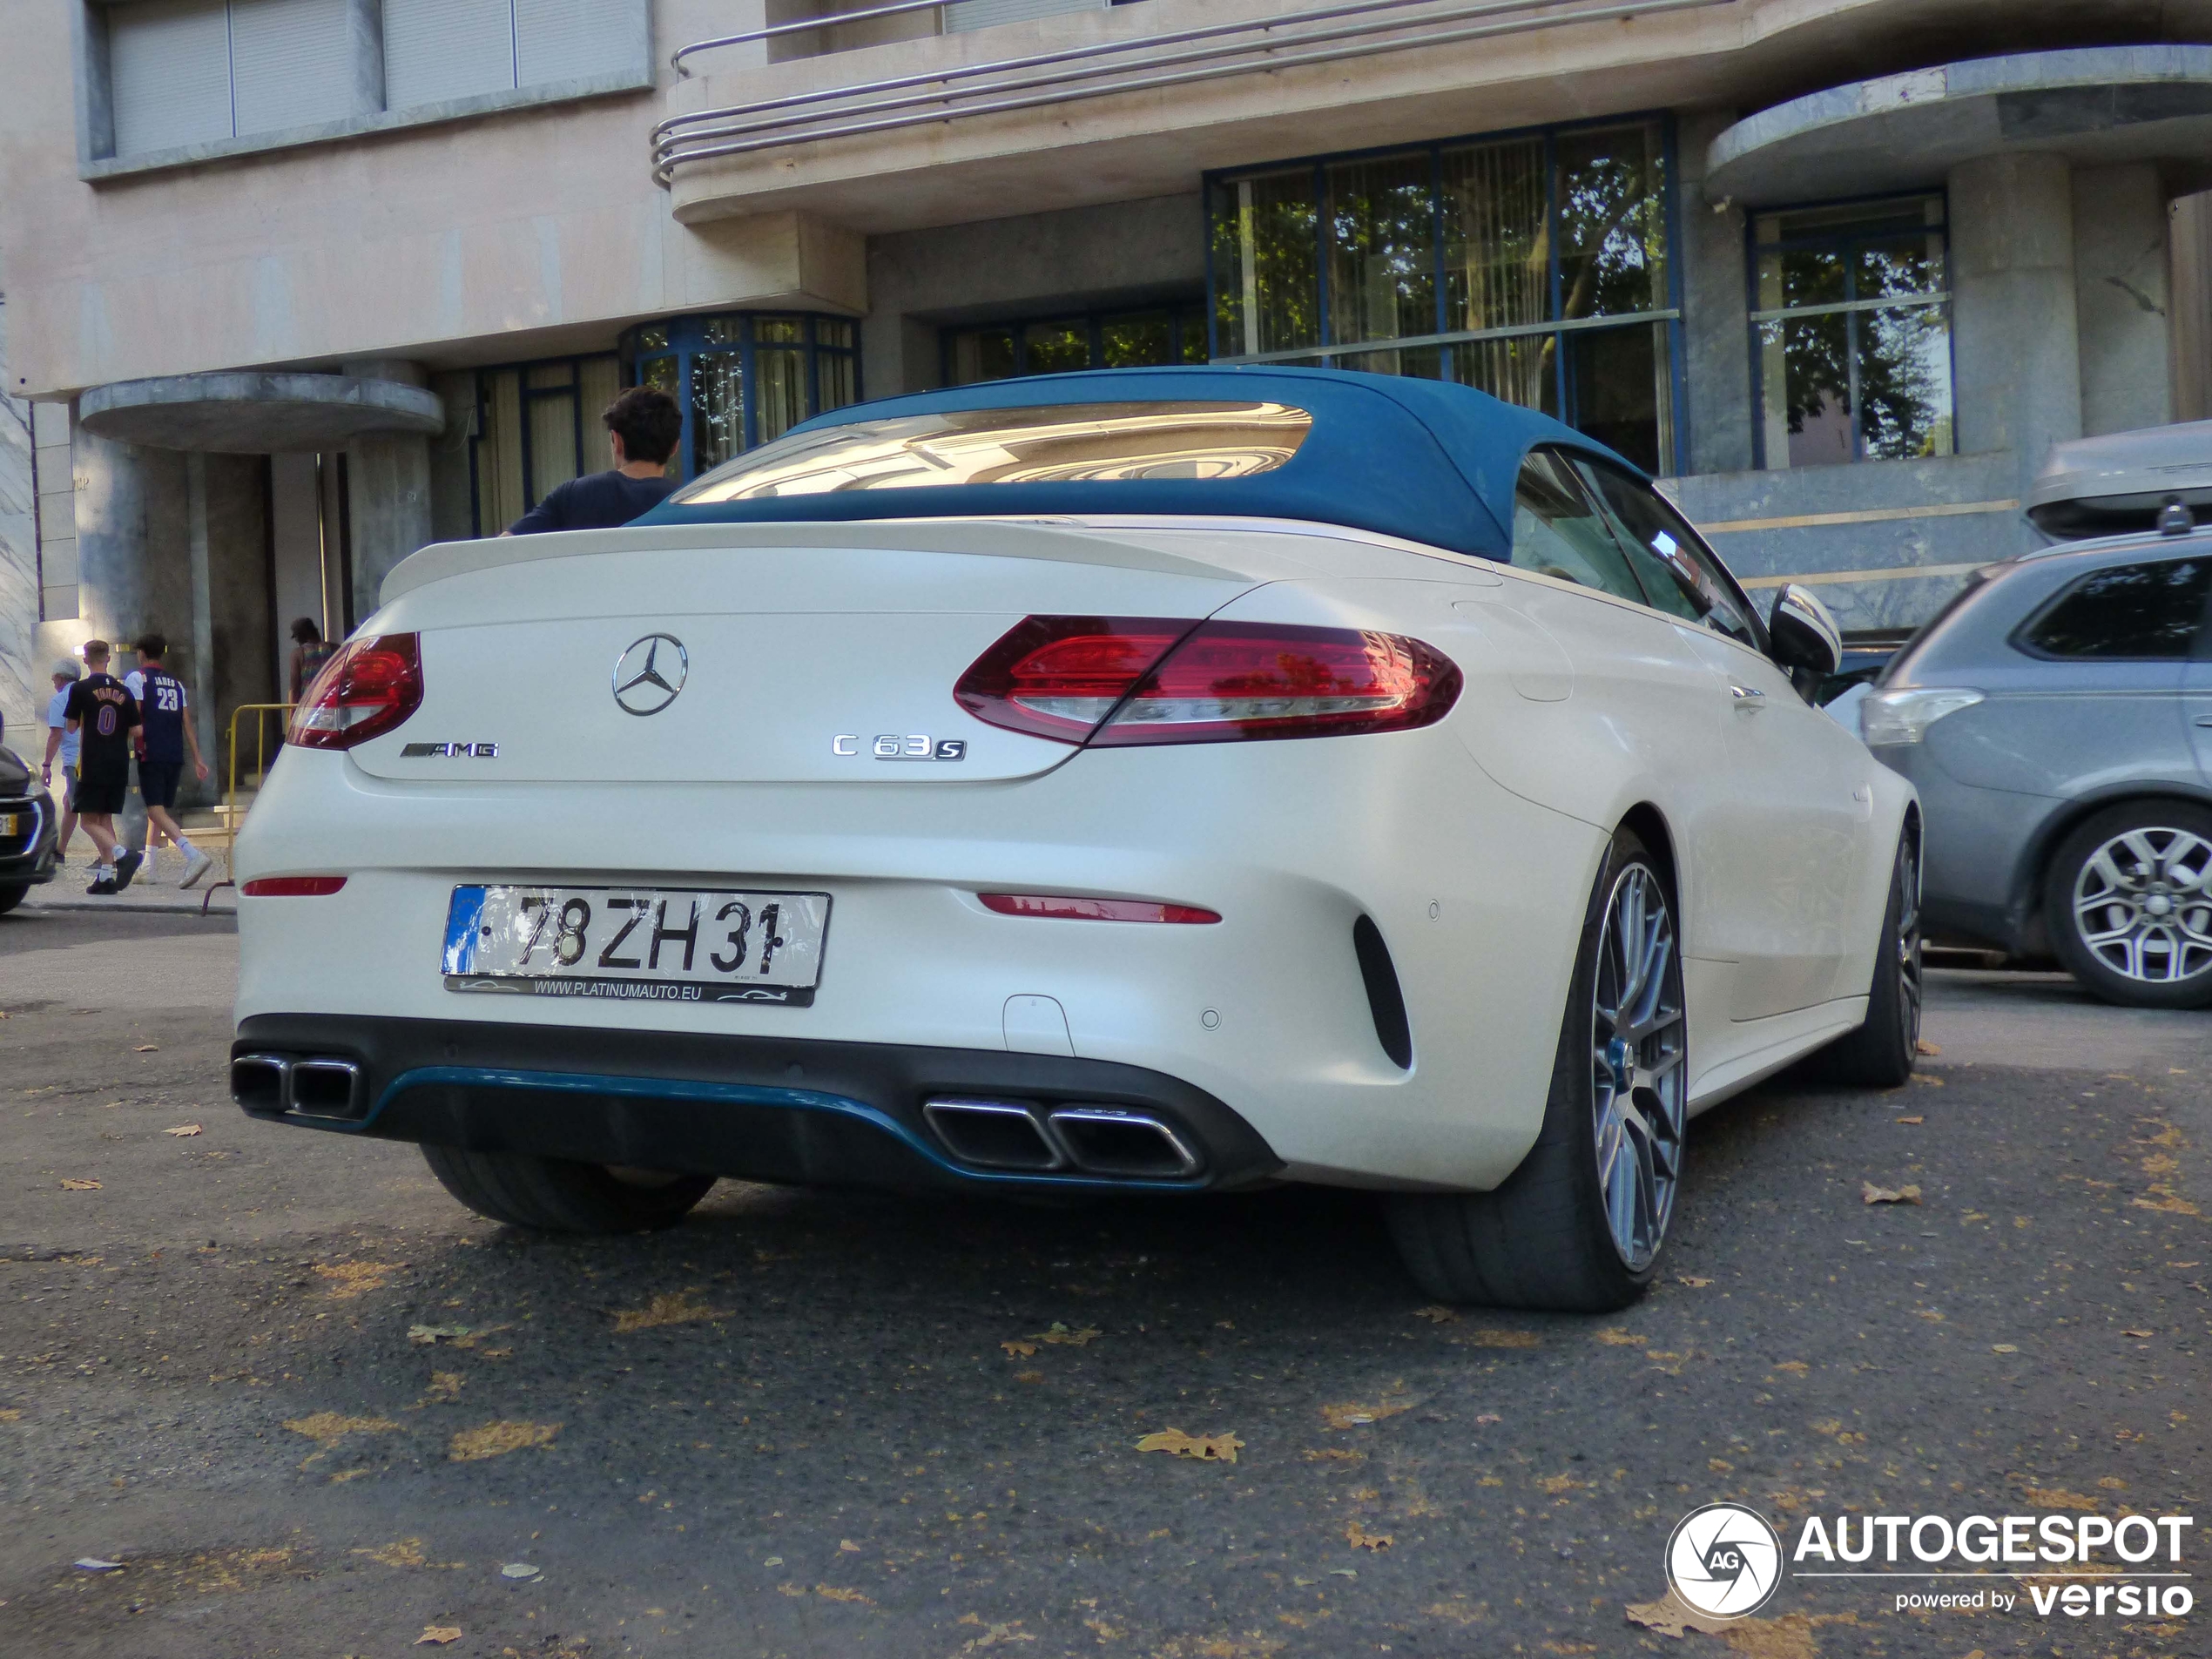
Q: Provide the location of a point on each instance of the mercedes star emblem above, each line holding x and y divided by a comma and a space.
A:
650, 674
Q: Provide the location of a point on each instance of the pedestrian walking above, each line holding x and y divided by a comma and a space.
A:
310, 651
164, 734
62, 743
643, 429
102, 713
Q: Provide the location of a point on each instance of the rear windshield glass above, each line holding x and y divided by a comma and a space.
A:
1059, 444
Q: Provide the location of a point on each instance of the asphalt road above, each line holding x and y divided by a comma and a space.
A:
794, 1427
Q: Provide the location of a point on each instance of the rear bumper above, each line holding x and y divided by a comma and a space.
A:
757, 1107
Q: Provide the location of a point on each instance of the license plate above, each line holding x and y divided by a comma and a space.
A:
637, 944
14, 823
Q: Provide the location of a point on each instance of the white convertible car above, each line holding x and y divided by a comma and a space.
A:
1158, 781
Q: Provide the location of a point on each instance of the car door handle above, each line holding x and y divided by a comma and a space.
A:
1748, 699
2204, 719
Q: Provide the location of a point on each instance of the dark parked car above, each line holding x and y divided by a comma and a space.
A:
27, 824
2057, 720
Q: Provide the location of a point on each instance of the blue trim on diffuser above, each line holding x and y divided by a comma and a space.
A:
734, 1094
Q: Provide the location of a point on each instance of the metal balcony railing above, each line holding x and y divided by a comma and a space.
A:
1328, 34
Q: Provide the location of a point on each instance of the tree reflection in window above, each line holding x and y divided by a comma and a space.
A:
1472, 253
1854, 332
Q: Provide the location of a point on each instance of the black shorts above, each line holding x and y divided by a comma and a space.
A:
158, 781
101, 792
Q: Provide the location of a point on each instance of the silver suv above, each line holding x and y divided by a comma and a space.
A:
2057, 720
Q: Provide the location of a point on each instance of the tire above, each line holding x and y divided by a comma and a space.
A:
11, 895
1543, 1238
2128, 901
553, 1195
1884, 1052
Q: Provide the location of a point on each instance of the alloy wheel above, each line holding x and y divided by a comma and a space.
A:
1909, 988
2142, 905
1639, 1088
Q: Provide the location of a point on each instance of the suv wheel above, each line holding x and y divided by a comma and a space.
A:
2129, 902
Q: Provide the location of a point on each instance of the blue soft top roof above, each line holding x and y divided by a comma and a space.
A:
1418, 459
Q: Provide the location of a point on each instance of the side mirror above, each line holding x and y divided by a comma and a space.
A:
1802, 638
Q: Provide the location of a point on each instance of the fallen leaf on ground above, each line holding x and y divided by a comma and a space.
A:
1615, 1337
2138, 1333
1911, 1120
438, 1636
2004, 1347
1028, 1376
994, 1635
1787, 1637
350, 1279
831, 1593
847, 1547
183, 1129
1694, 1283
675, 1308
1489, 1417
1206, 1448
1353, 1414
1490, 1337
73, 1186
1019, 1350
1556, 1484
445, 1385
1925, 1047
1359, 1538
147, 1047
1335, 1455
496, 1439
1437, 1314
406, 1552
424, 1335
1060, 1334
325, 1429
1923, 1078
1870, 1193
518, 1569
2059, 1498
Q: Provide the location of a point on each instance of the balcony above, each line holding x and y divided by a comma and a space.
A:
1099, 103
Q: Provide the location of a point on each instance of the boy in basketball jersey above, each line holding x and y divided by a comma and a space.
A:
164, 733
102, 713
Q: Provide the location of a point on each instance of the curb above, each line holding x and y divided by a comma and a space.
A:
129, 907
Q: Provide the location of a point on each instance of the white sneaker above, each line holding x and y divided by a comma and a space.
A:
197, 864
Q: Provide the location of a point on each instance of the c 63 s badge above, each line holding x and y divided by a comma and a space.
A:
451, 751
891, 746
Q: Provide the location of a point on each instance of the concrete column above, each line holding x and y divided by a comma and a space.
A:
133, 549
1716, 312
203, 615
2122, 295
387, 499
2016, 340
387, 490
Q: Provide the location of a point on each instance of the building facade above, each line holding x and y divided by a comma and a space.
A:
294, 286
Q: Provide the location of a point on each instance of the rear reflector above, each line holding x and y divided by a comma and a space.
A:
1122, 682
1073, 909
292, 886
370, 687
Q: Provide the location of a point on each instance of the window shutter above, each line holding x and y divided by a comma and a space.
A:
290, 62
569, 40
436, 50
169, 66
964, 15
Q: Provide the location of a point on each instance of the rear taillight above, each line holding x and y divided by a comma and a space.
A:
293, 886
370, 686
1069, 907
1114, 682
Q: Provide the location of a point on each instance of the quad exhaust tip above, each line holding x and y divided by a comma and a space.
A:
1092, 1139
317, 1086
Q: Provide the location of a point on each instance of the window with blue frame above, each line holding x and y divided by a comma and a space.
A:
743, 378
1152, 337
1852, 328
1534, 265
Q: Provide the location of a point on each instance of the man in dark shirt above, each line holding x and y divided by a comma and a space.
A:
643, 429
102, 711
164, 733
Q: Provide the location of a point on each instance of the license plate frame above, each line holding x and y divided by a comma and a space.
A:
510, 938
